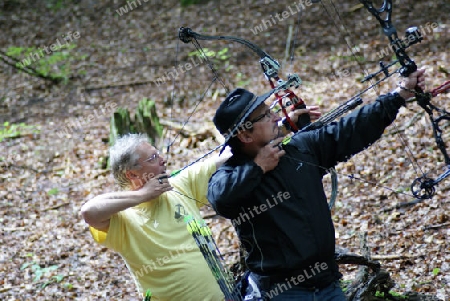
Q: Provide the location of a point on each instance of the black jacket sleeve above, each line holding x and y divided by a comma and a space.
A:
230, 184
353, 133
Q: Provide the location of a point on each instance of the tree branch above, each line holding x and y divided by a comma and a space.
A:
29, 70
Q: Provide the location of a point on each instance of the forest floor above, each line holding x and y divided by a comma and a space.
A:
53, 149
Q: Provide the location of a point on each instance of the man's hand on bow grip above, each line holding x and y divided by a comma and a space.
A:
313, 112
269, 155
415, 79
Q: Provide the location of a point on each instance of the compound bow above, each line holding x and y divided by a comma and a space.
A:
422, 187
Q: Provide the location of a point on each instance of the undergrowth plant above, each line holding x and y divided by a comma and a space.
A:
57, 65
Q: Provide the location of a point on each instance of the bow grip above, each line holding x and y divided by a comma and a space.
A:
408, 68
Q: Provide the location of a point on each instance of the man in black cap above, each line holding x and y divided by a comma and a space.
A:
275, 197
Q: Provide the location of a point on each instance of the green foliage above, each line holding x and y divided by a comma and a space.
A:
53, 191
348, 58
436, 271
53, 279
391, 294
190, 2
37, 270
241, 82
56, 65
55, 5
43, 274
218, 58
146, 119
8, 131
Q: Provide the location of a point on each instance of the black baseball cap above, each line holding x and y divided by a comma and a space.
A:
235, 109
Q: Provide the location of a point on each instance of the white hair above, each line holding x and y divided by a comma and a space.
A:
123, 157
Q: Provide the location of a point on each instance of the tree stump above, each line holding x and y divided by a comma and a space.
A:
146, 121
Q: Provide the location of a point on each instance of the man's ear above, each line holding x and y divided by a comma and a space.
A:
245, 137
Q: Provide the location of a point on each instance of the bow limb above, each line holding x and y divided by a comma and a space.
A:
389, 30
187, 35
281, 89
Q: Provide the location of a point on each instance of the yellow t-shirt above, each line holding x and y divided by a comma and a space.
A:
157, 248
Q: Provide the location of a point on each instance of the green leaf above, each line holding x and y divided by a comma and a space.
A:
25, 265
436, 271
37, 275
47, 283
53, 191
14, 51
58, 278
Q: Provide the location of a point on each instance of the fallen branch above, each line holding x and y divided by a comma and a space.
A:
5, 289
188, 131
118, 85
56, 206
394, 257
12, 229
356, 259
100, 173
437, 226
27, 168
402, 205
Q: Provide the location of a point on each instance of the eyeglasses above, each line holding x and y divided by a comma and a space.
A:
268, 113
273, 108
153, 158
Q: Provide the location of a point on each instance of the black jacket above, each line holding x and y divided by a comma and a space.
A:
282, 217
